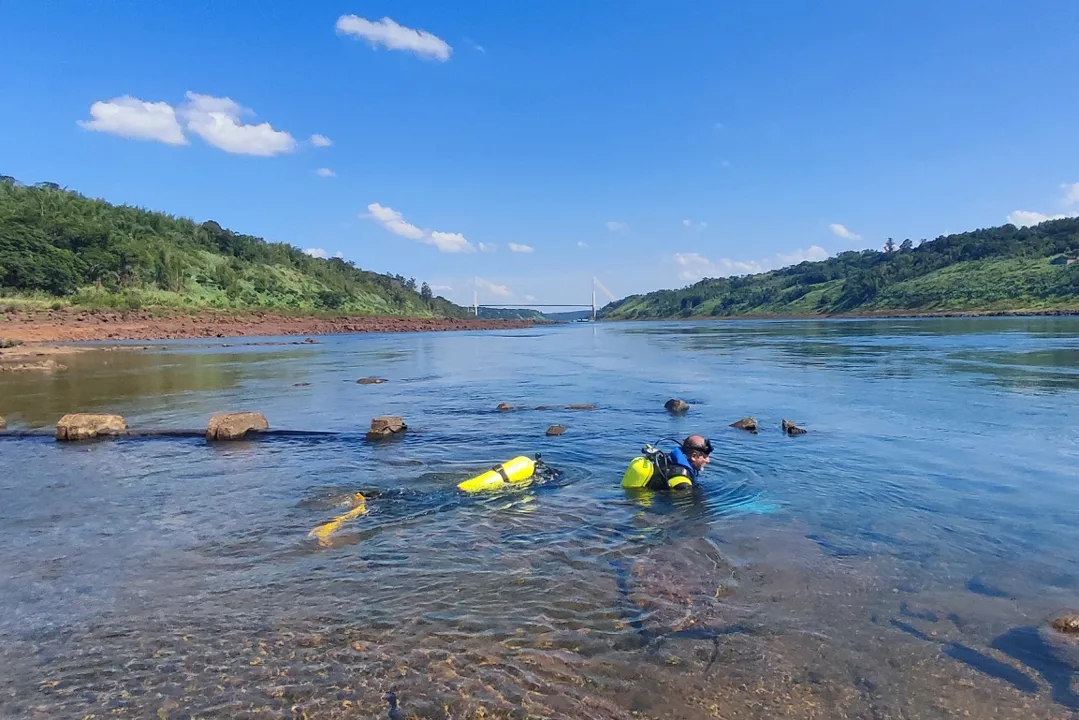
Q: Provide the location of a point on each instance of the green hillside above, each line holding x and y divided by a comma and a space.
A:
55, 243
997, 269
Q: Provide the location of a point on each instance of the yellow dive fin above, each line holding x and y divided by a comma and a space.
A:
512, 471
323, 532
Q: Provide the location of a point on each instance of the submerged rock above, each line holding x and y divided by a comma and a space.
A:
83, 426
44, 365
386, 426
234, 426
555, 430
371, 381
1067, 623
589, 406
676, 406
504, 407
791, 429
748, 423
303, 384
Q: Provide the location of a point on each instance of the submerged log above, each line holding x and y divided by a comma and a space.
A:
385, 427
84, 426
235, 426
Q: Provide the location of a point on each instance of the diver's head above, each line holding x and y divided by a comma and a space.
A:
697, 450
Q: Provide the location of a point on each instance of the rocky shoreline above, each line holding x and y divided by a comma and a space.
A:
69, 325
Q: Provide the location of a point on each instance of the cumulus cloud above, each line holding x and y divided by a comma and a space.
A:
217, 121
449, 242
136, 119
1026, 218
317, 253
395, 222
615, 225
325, 172
486, 247
320, 140
388, 33
694, 266
514, 247
500, 290
843, 232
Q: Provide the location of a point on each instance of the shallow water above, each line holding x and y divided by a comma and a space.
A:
899, 560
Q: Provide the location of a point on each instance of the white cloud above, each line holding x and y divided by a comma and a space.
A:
395, 37
486, 247
338, 254
843, 232
500, 290
325, 172
615, 225
133, 118
217, 121
694, 266
1071, 193
582, 244
320, 140
449, 242
396, 223
317, 253
475, 45
695, 225
1025, 218
441, 288
514, 247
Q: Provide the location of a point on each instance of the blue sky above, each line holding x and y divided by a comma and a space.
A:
534, 144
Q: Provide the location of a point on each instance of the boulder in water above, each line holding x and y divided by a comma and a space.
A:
235, 426
1067, 623
791, 429
504, 407
386, 426
555, 430
747, 423
588, 406
84, 426
371, 380
676, 406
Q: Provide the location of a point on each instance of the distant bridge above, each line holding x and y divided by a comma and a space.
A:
582, 306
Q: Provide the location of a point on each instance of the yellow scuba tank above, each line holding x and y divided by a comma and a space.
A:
638, 473
513, 471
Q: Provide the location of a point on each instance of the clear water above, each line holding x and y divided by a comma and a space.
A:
898, 560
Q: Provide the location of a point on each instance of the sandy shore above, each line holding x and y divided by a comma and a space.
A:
68, 325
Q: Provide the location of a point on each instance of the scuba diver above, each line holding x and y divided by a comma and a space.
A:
657, 470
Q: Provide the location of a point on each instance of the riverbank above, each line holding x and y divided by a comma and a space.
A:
78, 325
867, 315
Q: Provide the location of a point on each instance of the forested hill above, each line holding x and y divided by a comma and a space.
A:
997, 269
54, 242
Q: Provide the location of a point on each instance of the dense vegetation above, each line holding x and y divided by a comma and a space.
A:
997, 269
57, 243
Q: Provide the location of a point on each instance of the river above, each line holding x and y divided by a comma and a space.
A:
898, 560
